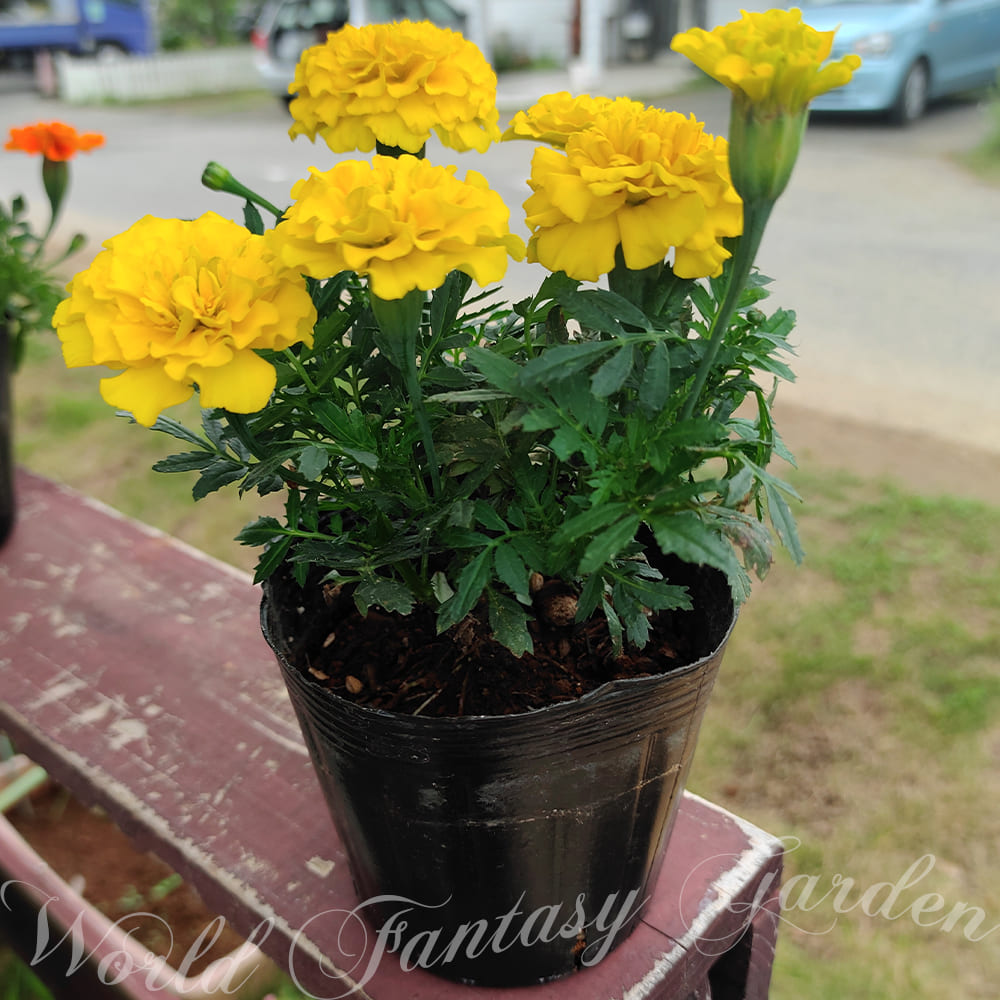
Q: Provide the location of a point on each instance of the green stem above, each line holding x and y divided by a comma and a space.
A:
399, 324
412, 377
412, 579
755, 216
216, 178
300, 370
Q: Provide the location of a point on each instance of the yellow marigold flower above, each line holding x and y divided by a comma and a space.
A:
555, 117
403, 222
646, 180
176, 304
394, 84
772, 58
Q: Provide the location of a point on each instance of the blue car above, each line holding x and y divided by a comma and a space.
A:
912, 51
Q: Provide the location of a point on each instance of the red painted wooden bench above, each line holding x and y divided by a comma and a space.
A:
132, 669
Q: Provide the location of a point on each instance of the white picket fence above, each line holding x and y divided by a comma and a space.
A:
147, 78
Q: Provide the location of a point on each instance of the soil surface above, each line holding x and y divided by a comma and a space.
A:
401, 664
136, 890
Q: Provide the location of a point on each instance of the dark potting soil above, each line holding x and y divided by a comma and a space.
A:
82, 843
399, 662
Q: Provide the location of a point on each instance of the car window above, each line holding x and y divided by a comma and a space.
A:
442, 13
310, 13
413, 10
383, 10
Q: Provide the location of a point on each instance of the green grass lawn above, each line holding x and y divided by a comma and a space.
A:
857, 713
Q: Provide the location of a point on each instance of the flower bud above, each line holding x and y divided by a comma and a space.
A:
55, 179
216, 178
763, 148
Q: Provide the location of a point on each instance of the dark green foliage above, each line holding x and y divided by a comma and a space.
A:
435, 450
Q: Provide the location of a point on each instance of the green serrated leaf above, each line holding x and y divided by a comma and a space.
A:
271, 558
390, 595
167, 425
312, 462
563, 361
614, 627
469, 588
783, 521
365, 458
214, 426
632, 614
654, 389
609, 543
488, 517
500, 371
686, 535
656, 594
221, 472
611, 376
600, 309
567, 441
590, 597
252, 219
260, 532
585, 524
188, 461
510, 569
509, 621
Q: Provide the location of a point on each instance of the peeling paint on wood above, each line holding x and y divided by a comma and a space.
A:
320, 866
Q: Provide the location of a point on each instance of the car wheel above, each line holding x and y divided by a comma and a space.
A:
913, 94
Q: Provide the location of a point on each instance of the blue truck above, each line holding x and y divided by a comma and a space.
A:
80, 27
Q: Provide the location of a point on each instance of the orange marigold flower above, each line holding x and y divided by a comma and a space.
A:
54, 140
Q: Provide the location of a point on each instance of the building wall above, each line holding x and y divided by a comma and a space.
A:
542, 29
534, 29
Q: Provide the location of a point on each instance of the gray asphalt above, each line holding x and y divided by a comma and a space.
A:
883, 243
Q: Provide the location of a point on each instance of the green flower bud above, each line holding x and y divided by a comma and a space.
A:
763, 148
55, 178
216, 178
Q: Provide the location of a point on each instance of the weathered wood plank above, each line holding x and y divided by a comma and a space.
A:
133, 669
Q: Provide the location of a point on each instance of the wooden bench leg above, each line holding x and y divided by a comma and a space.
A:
744, 972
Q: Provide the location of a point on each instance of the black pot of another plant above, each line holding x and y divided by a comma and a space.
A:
522, 846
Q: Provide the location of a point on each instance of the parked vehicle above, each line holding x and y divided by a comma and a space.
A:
82, 27
913, 51
287, 27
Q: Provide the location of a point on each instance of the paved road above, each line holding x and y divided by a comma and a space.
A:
884, 245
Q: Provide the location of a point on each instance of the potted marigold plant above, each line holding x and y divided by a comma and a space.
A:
515, 535
29, 290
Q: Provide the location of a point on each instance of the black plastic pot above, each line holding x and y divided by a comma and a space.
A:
523, 846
